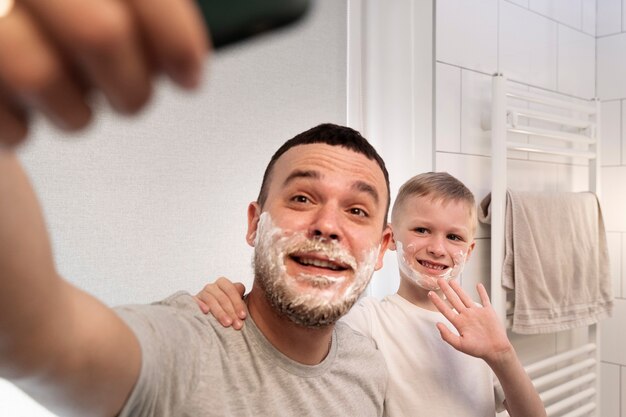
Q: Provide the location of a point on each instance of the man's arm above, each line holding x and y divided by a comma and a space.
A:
59, 344
482, 336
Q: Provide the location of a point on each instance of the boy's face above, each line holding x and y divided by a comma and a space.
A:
435, 238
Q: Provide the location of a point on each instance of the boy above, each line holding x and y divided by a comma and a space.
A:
433, 222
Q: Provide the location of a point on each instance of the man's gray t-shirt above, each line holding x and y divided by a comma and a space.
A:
192, 366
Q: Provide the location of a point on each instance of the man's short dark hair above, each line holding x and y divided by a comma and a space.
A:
333, 135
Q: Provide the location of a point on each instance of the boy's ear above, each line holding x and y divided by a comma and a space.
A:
470, 249
254, 212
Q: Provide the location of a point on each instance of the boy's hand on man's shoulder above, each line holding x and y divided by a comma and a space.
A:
224, 300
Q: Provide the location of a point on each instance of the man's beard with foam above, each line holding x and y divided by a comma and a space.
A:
324, 300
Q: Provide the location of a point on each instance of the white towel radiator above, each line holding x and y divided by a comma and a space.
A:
568, 382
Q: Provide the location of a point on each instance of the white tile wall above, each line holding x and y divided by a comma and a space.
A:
613, 198
523, 3
609, 17
475, 113
620, 290
528, 46
614, 241
609, 389
474, 171
576, 50
589, 17
448, 108
611, 67
623, 136
568, 12
572, 178
623, 390
467, 33
611, 147
613, 335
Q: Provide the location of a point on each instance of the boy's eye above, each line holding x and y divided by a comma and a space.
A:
420, 230
358, 212
455, 237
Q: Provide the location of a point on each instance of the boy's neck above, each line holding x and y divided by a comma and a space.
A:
417, 295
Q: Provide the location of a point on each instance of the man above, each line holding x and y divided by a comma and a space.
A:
319, 231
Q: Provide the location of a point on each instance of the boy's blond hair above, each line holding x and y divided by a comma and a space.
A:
439, 186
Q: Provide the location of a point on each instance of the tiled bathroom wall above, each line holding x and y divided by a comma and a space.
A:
550, 47
611, 88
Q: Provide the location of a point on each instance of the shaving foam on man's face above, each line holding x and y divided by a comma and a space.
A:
327, 279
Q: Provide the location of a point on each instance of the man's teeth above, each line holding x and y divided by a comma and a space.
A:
432, 266
319, 263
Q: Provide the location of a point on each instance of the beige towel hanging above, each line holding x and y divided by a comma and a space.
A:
556, 260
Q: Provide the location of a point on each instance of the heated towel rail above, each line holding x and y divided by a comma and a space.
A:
568, 382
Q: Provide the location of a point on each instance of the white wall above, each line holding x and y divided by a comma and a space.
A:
611, 67
138, 209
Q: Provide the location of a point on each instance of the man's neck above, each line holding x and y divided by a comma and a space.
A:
304, 345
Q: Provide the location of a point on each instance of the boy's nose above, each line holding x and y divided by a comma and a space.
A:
436, 248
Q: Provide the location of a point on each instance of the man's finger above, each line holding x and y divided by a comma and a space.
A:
39, 78
13, 125
176, 36
100, 37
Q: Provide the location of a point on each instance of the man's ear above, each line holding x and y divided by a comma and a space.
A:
392, 243
384, 244
254, 212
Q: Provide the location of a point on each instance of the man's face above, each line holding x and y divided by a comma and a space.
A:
434, 239
320, 236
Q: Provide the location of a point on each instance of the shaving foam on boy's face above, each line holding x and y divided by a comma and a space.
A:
312, 281
408, 261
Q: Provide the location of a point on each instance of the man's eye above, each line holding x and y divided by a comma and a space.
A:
300, 199
358, 212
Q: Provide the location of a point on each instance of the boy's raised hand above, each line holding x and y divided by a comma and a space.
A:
224, 300
480, 332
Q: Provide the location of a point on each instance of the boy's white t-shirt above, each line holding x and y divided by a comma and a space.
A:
428, 377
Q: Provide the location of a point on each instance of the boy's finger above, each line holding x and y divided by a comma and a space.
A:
451, 296
203, 307
442, 306
448, 336
234, 294
482, 293
220, 315
466, 299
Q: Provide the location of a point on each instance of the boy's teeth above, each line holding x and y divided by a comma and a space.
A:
432, 266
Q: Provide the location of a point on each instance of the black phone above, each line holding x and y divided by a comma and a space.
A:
230, 21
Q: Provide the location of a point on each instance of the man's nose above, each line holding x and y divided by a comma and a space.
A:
325, 224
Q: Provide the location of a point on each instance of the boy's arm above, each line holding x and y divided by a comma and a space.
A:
482, 336
59, 344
